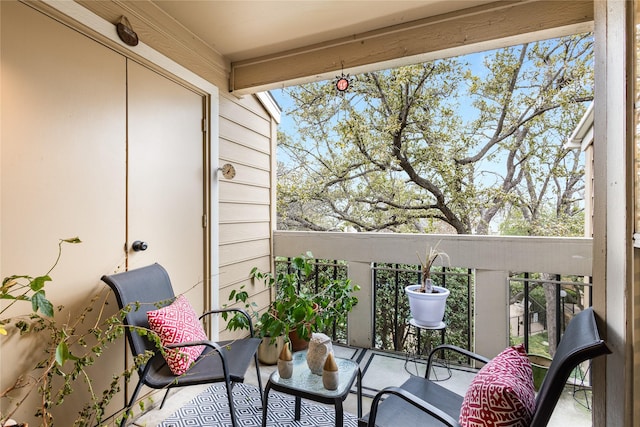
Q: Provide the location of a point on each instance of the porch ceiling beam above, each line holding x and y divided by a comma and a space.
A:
484, 27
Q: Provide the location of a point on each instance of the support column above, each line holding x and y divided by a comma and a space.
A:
491, 334
613, 204
361, 317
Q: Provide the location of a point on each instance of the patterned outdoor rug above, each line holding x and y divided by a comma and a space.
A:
211, 408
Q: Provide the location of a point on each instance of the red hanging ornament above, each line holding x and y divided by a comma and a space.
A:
342, 83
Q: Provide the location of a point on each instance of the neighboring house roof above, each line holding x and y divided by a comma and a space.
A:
582, 135
270, 104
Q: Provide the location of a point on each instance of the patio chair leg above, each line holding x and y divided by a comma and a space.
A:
125, 414
255, 359
166, 394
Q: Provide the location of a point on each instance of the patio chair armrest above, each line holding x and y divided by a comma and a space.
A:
227, 310
413, 400
456, 349
206, 343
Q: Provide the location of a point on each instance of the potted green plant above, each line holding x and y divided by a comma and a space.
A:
271, 345
20, 289
69, 347
296, 309
427, 302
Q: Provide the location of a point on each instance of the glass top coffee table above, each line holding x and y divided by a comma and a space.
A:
305, 384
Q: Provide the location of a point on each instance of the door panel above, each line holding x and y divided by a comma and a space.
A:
62, 174
165, 179
63, 148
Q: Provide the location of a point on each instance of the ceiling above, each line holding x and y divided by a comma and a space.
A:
250, 46
243, 29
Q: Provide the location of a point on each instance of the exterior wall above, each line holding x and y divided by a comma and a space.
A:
246, 212
246, 141
163, 34
63, 174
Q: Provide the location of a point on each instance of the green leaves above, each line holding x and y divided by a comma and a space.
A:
66, 348
14, 288
29, 288
307, 299
40, 302
450, 144
38, 283
63, 354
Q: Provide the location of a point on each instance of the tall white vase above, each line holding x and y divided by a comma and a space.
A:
427, 309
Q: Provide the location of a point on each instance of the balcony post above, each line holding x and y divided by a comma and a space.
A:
491, 312
360, 320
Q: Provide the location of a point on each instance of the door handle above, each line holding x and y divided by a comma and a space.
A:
139, 245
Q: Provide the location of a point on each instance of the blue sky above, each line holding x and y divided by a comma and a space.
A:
284, 101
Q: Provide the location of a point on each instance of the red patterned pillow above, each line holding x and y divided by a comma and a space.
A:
175, 324
502, 393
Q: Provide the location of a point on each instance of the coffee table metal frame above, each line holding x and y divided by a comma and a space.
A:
305, 384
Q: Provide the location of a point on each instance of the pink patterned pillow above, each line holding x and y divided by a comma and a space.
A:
175, 324
502, 393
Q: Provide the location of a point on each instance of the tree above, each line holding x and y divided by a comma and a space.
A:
448, 145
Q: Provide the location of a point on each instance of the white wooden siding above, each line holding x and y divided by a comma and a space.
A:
245, 201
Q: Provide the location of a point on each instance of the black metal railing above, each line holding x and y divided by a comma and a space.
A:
331, 269
391, 328
542, 304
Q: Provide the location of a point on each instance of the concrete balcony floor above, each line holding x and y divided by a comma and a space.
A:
379, 370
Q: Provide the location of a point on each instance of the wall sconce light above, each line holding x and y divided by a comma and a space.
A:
125, 32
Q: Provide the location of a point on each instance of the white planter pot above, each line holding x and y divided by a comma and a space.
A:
427, 309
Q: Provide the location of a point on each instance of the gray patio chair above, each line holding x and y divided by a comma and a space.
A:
149, 288
420, 401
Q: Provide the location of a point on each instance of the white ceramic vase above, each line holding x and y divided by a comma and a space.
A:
427, 309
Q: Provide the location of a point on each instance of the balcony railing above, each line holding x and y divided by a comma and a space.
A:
392, 314
383, 263
331, 269
542, 305
390, 305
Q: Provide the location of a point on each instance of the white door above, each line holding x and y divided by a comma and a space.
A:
165, 173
